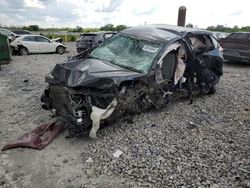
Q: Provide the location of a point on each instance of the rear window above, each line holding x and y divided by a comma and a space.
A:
87, 37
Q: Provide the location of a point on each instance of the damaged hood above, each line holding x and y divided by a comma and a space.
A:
92, 73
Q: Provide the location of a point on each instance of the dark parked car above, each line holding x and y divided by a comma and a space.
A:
92, 40
137, 69
220, 35
236, 47
21, 32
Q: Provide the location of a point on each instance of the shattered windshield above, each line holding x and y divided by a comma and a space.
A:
128, 52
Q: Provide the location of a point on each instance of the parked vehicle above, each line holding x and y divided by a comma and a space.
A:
21, 32
237, 47
59, 39
27, 44
220, 35
92, 40
11, 36
137, 69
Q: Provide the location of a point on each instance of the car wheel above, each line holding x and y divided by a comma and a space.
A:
60, 50
12, 50
212, 90
24, 51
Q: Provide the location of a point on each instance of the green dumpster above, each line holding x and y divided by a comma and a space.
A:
5, 54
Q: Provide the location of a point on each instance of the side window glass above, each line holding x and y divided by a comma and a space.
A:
242, 36
30, 39
89, 37
202, 43
108, 35
198, 43
41, 39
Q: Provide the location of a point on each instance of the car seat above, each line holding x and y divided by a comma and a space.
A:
168, 66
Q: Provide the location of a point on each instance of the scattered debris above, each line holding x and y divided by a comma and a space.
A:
153, 125
191, 125
37, 138
27, 89
65, 161
117, 153
89, 160
246, 169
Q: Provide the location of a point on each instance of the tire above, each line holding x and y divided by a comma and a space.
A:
12, 50
24, 51
212, 90
60, 50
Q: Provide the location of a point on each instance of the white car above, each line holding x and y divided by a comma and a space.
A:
27, 44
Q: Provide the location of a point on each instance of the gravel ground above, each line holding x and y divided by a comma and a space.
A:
206, 144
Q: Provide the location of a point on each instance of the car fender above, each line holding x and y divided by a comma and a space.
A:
57, 45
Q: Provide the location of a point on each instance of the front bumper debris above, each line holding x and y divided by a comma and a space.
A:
37, 138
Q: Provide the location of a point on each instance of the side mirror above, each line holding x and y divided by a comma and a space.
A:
99, 42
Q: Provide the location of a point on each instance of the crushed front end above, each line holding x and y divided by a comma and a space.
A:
85, 92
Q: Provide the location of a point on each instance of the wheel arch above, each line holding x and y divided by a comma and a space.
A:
20, 46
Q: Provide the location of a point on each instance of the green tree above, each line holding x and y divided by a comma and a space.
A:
33, 28
120, 27
108, 27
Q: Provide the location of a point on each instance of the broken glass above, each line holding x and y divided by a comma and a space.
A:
128, 52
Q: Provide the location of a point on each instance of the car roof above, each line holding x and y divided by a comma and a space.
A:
23, 32
97, 32
240, 32
161, 32
2, 29
30, 35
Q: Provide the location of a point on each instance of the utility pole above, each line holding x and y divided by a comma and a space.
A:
181, 16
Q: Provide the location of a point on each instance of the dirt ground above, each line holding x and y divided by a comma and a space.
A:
206, 144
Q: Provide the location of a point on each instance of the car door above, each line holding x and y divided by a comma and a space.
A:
31, 44
45, 45
167, 63
241, 43
237, 45
206, 46
208, 61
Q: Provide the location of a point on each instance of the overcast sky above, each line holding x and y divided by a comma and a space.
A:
96, 13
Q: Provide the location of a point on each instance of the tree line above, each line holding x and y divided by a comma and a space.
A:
107, 27
222, 28
111, 27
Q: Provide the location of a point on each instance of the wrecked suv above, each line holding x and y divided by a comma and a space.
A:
137, 69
